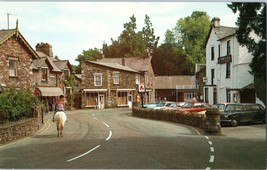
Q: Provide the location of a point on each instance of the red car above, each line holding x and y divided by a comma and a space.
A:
194, 107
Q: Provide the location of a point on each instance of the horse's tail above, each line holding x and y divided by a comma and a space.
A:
60, 124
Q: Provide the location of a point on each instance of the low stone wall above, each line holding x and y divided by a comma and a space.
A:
16, 130
25, 127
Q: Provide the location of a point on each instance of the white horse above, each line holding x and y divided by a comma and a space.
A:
60, 118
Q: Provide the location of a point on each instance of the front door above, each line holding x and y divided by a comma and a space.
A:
101, 101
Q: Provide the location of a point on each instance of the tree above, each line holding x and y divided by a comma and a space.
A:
150, 39
91, 54
170, 60
191, 33
252, 19
132, 43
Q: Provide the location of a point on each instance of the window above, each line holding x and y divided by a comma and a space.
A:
212, 53
13, 68
228, 70
219, 51
137, 79
122, 98
228, 96
44, 74
116, 77
212, 75
98, 79
228, 48
66, 74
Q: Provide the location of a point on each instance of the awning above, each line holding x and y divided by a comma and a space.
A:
95, 90
50, 91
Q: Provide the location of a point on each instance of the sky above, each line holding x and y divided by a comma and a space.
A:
71, 27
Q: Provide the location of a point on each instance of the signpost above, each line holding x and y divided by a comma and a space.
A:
142, 90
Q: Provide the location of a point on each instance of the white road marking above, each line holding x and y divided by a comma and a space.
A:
212, 149
84, 154
208, 168
210, 142
93, 115
110, 134
95, 118
105, 124
211, 158
207, 137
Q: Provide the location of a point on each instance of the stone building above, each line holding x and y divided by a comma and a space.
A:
142, 65
16, 57
107, 85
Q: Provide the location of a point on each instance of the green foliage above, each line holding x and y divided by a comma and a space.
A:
71, 83
15, 105
132, 43
191, 33
252, 18
91, 55
170, 60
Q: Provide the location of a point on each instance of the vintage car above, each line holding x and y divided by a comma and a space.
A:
237, 113
194, 107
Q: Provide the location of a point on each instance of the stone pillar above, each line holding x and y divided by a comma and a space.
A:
212, 123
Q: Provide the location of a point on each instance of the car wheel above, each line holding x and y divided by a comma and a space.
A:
234, 122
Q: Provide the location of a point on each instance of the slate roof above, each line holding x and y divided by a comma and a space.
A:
223, 32
113, 65
170, 82
136, 63
6, 34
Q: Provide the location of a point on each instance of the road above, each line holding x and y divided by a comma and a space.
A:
112, 138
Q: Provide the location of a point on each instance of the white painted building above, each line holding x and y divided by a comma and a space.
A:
227, 68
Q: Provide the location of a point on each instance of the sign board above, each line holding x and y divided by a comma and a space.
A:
141, 87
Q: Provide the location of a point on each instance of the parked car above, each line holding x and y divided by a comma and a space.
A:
152, 105
220, 106
234, 114
194, 107
165, 104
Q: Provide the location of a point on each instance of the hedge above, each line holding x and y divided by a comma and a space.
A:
187, 118
17, 104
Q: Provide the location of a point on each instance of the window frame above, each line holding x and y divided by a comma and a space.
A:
44, 76
116, 77
228, 70
98, 79
212, 53
13, 71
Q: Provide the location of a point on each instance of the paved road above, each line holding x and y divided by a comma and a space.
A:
112, 138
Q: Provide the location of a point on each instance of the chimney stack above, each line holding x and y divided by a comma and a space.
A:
45, 48
123, 61
215, 22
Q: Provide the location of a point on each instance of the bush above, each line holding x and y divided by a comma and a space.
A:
16, 104
191, 119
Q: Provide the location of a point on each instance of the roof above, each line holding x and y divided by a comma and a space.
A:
222, 32
136, 63
38, 63
61, 64
170, 82
113, 65
6, 34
